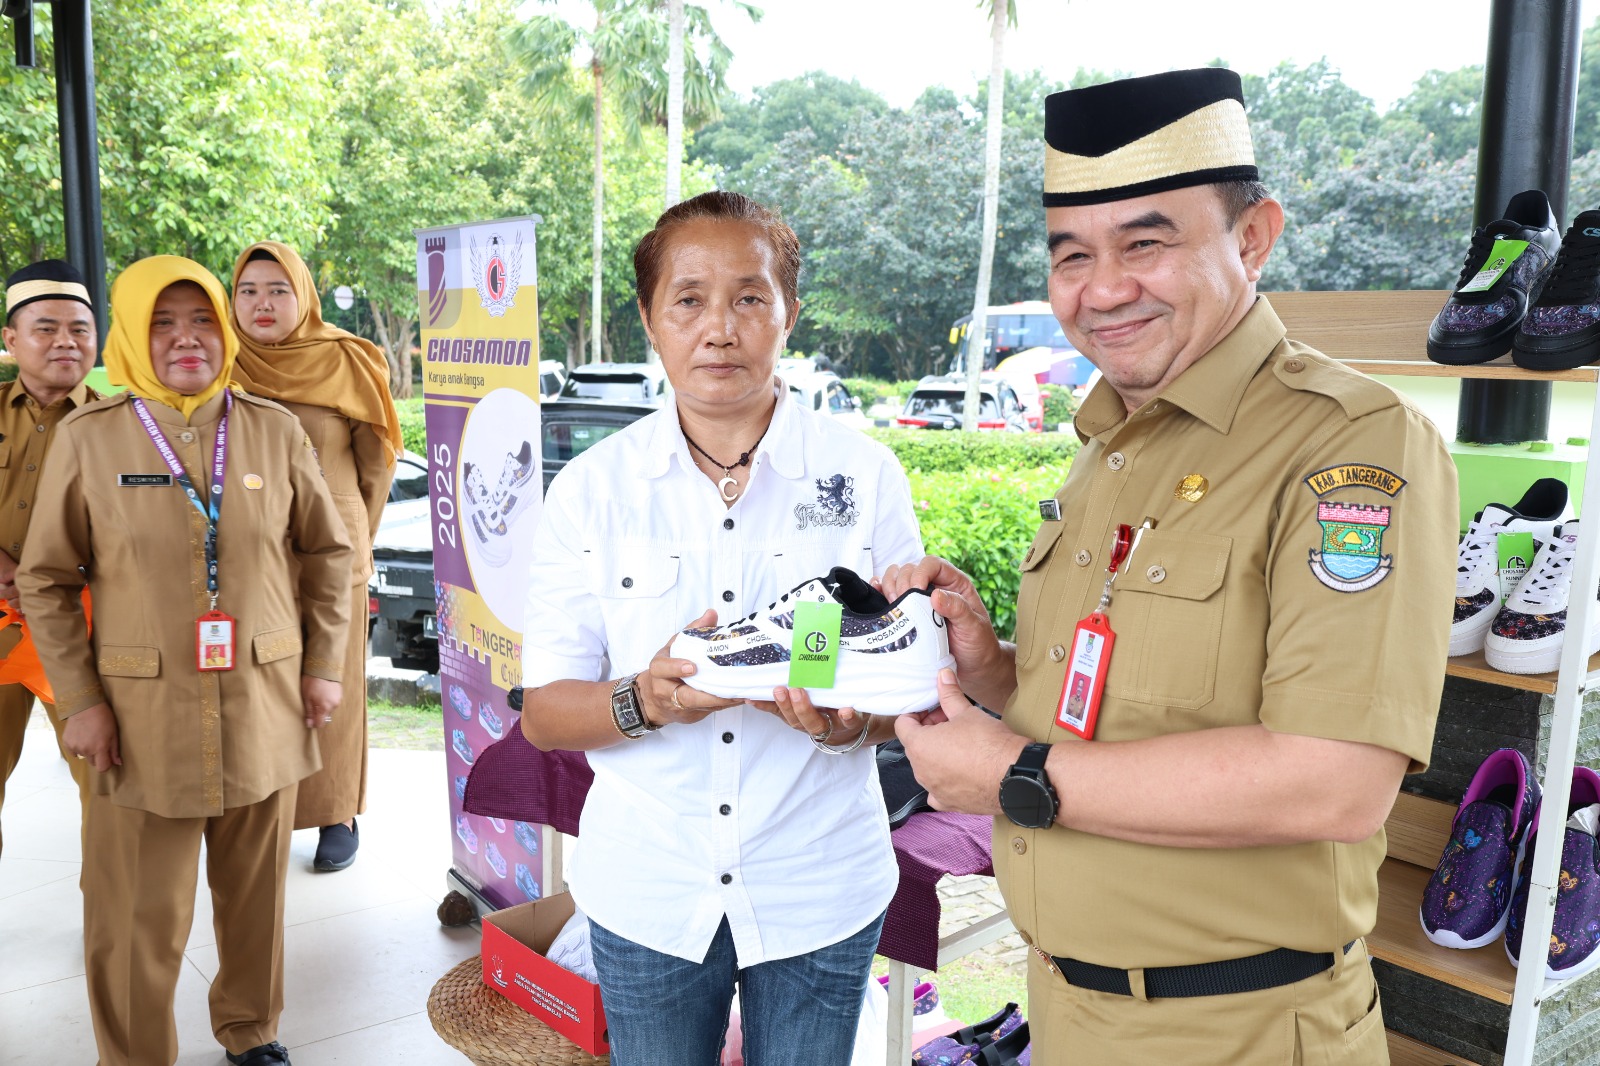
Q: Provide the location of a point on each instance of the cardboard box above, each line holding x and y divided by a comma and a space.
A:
514, 943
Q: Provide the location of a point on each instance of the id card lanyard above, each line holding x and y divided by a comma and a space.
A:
214, 630
1089, 660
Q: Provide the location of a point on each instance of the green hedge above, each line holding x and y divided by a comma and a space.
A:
874, 390
983, 523
413, 425
934, 451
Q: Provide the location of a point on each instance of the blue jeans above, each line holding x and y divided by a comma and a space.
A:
664, 1011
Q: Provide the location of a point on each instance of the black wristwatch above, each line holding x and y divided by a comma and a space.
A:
626, 712
1025, 793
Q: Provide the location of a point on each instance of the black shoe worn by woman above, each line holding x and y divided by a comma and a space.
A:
273, 1054
337, 847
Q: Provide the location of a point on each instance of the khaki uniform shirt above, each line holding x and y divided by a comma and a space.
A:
26, 430
358, 472
193, 743
1300, 575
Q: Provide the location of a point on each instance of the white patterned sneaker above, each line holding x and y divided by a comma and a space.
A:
1481, 586
1527, 633
890, 654
493, 511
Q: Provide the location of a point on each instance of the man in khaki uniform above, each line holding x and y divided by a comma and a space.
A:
184, 754
1195, 881
50, 332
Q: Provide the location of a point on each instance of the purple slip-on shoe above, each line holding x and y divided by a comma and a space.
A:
1469, 895
967, 1045
1575, 933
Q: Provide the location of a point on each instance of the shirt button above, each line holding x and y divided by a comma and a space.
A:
1294, 364
186, 436
1019, 845
727, 523
39, 428
1115, 461
727, 597
1057, 653
727, 879
627, 582
727, 738
1156, 574
725, 809
1083, 558
22, 504
32, 467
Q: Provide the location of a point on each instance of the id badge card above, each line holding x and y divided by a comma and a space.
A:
214, 641
1087, 666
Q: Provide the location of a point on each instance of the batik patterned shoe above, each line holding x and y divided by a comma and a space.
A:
889, 653
1505, 266
461, 702
925, 1009
491, 721
1468, 897
459, 745
465, 833
497, 825
525, 881
461, 787
1562, 331
968, 1045
1575, 933
1527, 634
527, 836
496, 861
1481, 584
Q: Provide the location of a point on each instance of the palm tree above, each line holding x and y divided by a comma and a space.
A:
709, 78
1001, 14
621, 49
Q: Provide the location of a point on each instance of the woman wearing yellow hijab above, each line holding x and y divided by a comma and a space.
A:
338, 385
220, 570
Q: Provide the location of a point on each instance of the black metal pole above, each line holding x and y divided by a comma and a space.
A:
1530, 83
80, 150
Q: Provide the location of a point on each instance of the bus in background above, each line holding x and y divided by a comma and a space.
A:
1010, 328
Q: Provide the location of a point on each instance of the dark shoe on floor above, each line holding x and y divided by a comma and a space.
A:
1506, 264
337, 848
1563, 329
273, 1054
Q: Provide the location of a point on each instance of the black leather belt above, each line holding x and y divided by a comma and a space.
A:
1282, 966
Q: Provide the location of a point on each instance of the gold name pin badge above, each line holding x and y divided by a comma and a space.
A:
1191, 488
253, 481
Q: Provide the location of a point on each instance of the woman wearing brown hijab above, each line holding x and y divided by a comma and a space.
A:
338, 386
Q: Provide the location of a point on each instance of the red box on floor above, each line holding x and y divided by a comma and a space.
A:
514, 943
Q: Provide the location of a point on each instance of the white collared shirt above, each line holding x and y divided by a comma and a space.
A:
633, 544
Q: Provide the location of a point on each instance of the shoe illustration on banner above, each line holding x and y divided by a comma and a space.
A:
491, 721
889, 653
527, 836
497, 863
1575, 934
1486, 574
1467, 899
461, 702
492, 511
525, 881
458, 744
464, 831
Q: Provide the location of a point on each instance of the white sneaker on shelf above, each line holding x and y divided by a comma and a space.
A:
890, 654
1481, 586
1527, 634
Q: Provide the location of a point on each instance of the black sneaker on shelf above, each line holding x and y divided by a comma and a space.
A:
1562, 331
1505, 266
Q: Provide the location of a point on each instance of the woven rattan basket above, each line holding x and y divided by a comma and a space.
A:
491, 1030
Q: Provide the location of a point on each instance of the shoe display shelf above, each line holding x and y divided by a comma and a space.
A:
1384, 333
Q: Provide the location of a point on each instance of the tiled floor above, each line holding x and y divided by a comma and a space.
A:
362, 946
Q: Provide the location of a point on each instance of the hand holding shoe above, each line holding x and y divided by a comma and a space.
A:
666, 698
987, 666
959, 753
837, 727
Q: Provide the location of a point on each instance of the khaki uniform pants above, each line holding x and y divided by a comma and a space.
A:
338, 792
16, 706
1330, 1019
139, 877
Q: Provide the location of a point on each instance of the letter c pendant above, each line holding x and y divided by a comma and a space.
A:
728, 489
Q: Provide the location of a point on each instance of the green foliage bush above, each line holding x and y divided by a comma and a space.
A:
413, 425
8, 368
876, 390
930, 451
983, 522
1059, 405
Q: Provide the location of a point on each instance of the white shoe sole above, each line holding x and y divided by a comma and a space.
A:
870, 691
1530, 656
1470, 635
1446, 939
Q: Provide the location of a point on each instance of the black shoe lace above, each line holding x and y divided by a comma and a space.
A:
1477, 252
1572, 280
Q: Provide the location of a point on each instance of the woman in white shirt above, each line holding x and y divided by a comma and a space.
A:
720, 844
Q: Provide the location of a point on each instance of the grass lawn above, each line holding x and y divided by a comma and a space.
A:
408, 728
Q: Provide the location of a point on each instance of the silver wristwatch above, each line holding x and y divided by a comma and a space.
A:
626, 712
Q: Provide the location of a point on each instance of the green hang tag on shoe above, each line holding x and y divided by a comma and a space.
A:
1516, 555
814, 650
1501, 257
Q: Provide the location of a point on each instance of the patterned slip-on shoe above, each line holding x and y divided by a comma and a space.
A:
967, 1045
1481, 584
525, 881
1575, 933
888, 657
491, 721
1469, 895
459, 745
1562, 330
496, 861
1527, 634
1505, 265
926, 1011
527, 836
465, 833
461, 702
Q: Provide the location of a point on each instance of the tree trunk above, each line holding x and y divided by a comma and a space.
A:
596, 317
400, 328
978, 330
674, 98
380, 323
394, 337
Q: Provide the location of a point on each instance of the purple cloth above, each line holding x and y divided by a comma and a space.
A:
513, 779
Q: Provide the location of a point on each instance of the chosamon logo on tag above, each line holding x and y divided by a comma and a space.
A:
816, 643
497, 272
1351, 558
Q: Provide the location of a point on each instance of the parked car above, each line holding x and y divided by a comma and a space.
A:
821, 391
552, 375
628, 383
401, 591
939, 402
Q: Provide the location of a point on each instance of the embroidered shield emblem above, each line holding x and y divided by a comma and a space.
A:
1351, 558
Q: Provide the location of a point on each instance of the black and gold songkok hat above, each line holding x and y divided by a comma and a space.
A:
1146, 135
48, 279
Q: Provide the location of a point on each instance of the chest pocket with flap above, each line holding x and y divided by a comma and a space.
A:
1167, 610
1034, 607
